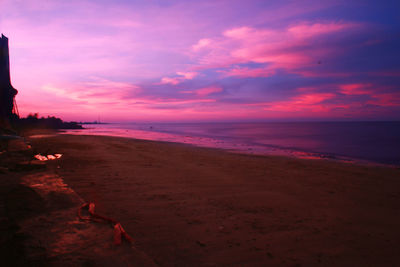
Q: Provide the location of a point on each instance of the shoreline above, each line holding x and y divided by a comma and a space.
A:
273, 151
364, 142
186, 205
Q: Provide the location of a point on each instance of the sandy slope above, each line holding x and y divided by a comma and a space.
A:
188, 206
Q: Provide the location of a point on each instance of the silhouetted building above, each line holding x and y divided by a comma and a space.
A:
7, 91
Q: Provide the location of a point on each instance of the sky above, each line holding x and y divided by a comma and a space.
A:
209, 60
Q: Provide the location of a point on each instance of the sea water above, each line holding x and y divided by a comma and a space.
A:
377, 142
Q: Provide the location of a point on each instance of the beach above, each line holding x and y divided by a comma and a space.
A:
193, 206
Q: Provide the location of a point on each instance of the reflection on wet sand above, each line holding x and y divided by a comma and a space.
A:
230, 145
42, 135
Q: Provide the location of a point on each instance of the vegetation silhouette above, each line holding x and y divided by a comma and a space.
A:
51, 122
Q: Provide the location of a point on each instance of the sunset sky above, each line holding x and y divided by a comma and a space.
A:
205, 60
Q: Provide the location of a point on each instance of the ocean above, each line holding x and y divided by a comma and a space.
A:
369, 142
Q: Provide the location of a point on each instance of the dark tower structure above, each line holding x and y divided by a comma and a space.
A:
7, 91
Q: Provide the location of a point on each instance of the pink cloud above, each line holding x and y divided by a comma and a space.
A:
173, 81
208, 90
177, 80
280, 49
249, 34
247, 72
308, 101
307, 30
202, 43
204, 91
278, 59
355, 89
379, 95
92, 93
187, 75
240, 33
172, 101
386, 100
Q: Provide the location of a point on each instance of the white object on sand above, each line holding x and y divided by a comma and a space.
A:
48, 157
40, 157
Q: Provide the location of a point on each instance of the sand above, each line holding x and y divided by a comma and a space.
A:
190, 206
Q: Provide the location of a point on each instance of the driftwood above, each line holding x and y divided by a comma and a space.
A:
7, 91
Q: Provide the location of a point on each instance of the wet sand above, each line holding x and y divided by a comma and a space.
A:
190, 206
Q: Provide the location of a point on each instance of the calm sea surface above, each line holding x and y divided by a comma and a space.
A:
377, 142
